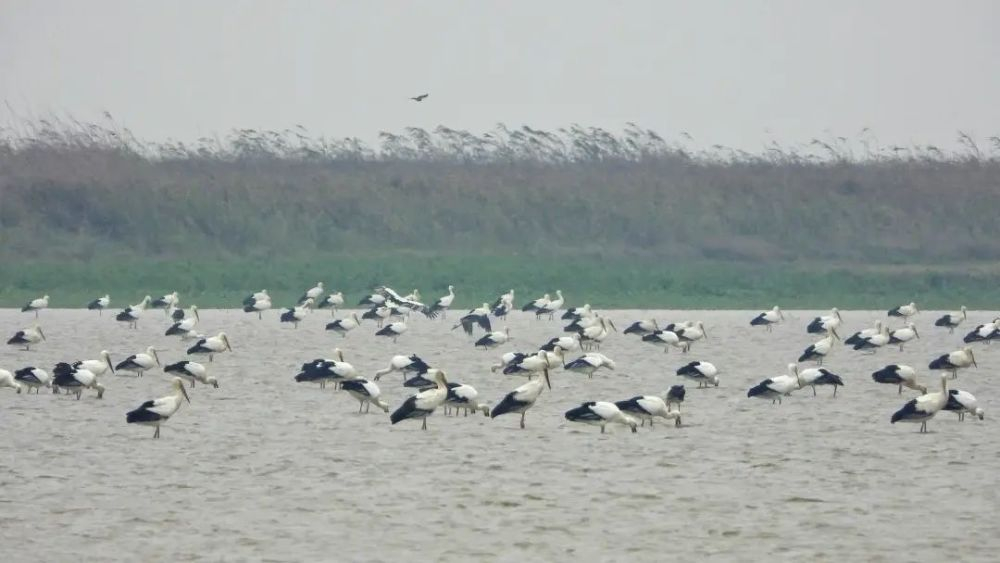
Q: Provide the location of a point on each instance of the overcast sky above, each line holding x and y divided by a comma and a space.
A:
732, 72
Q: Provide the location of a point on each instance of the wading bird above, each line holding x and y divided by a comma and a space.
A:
36, 305
952, 320
423, 403
775, 388
139, 363
648, 407
344, 325
768, 318
100, 304
901, 375
705, 373
954, 361
27, 337
904, 311
366, 392
192, 372
33, 378
523, 398
75, 380
924, 407
158, 411
212, 345
600, 413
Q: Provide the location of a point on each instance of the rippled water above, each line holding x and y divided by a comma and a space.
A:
267, 469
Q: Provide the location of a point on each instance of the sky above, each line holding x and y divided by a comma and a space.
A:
738, 73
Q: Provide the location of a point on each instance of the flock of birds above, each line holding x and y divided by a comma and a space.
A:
391, 312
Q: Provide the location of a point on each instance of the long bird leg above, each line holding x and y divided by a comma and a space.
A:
834, 390
602, 429
814, 390
157, 433
424, 427
522, 419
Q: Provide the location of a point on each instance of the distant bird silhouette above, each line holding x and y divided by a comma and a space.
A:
419, 98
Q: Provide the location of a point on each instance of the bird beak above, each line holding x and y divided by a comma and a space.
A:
839, 317
226, 340
196, 317
781, 315
548, 382
835, 335
185, 393
613, 326
156, 357
973, 359
915, 332
110, 366
40, 333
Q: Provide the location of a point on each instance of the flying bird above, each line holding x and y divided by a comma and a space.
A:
420, 98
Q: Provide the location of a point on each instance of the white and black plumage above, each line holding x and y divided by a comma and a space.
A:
494, 339
507, 359
861, 335
462, 396
705, 373
963, 403
33, 378
775, 388
184, 326
212, 345
344, 325
589, 363
192, 372
600, 413
366, 392
576, 313
816, 376
36, 305
904, 311
648, 407
158, 411
987, 332
99, 366
411, 302
27, 337
820, 349
444, 303
392, 330
373, 300
663, 338
552, 307
924, 407
582, 323
768, 318
690, 335
166, 302
478, 316
99, 304
503, 305
675, 395
536, 304
952, 320
954, 361
411, 364
257, 303
323, 370
523, 398
592, 336
139, 363
874, 342
378, 314
256, 296
7, 380
75, 380
567, 343
297, 314
532, 365
130, 315
903, 335
424, 403
177, 314
419, 382
826, 323
333, 302
899, 374
312, 293
643, 327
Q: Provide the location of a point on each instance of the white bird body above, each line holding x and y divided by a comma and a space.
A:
323, 370
75, 380
648, 407
131, 314
212, 345
36, 305
7, 380
444, 303
424, 403
567, 343
139, 363
777, 387
186, 325
98, 367
344, 325
704, 373
27, 337
592, 336
464, 396
901, 375
768, 318
589, 363
963, 403
643, 327
158, 411
297, 314
100, 304
952, 320
600, 413
986, 332
924, 407
522, 398
812, 377
905, 311
864, 334
404, 364
192, 373
392, 330
539, 303
366, 392
954, 361
257, 303
873, 342
692, 334
334, 301
903, 335
494, 339
32, 378
312, 293
820, 349
665, 338
826, 323
552, 306
533, 365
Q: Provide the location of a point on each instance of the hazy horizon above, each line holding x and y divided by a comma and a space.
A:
738, 75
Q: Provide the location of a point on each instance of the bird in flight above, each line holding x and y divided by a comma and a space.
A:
419, 98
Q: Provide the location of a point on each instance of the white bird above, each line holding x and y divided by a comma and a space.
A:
952, 320
323, 370
131, 314
589, 363
665, 338
33, 378
75, 380
27, 337
423, 403
392, 330
577, 313
861, 335
567, 343
184, 326
690, 335
36, 305
768, 318
531, 365
648, 407
373, 300
312, 293
378, 314
986, 332
366, 392
166, 302
962, 403
494, 339
478, 316
464, 396
824, 324
7, 380
777, 387
901, 375
600, 413
503, 305
704, 373
592, 336
332, 301
212, 345
905, 311
509, 358
643, 327
158, 411
551, 307
903, 335
954, 361
924, 407
257, 303
140, 362
99, 304
296, 314
820, 349
97, 367
539, 303
816, 376
344, 325
444, 303
405, 365
192, 372
523, 398
875, 341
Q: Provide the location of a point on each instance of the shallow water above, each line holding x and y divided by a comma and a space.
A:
267, 469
